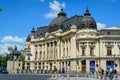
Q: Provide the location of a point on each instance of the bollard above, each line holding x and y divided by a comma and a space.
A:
68, 77
52, 76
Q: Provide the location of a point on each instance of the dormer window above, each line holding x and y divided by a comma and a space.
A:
108, 33
91, 25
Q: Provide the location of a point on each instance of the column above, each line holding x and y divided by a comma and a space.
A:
73, 66
38, 52
116, 48
96, 49
87, 66
58, 49
32, 66
42, 52
68, 47
73, 46
50, 50
33, 52
65, 48
87, 53
45, 51
54, 50
103, 65
61, 48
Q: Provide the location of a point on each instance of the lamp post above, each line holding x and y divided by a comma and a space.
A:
77, 63
114, 60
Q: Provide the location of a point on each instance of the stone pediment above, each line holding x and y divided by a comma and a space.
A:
49, 36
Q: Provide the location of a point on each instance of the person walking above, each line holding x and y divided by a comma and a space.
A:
55, 72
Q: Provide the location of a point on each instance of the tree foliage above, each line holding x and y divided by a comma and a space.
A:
22, 58
1, 9
3, 60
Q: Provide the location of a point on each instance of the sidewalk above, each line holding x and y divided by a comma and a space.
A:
82, 78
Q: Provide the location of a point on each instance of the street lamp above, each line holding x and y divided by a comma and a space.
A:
77, 63
114, 60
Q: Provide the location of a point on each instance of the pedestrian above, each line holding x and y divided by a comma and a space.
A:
55, 72
111, 73
100, 72
95, 74
106, 73
115, 73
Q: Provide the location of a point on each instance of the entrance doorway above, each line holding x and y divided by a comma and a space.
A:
109, 64
92, 66
83, 66
50, 67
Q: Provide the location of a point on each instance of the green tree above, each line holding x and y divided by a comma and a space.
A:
22, 58
0, 60
1, 9
3, 60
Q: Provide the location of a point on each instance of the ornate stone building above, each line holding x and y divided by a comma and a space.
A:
73, 44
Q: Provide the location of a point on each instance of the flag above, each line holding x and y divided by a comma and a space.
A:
30, 54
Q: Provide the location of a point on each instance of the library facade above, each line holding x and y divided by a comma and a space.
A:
72, 45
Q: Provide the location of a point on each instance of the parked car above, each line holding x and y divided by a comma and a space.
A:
3, 71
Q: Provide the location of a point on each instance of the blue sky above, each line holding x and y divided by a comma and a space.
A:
19, 16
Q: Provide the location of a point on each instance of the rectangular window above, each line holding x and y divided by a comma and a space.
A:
83, 51
91, 51
109, 51
28, 65
28, 57
119, 50
36, 55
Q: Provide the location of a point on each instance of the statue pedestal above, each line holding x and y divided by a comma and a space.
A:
14, 66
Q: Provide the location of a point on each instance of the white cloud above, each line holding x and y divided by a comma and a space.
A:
101, 26
4, 47
55, 7
12, 39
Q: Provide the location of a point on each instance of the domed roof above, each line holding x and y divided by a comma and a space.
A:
61, 18
87, 21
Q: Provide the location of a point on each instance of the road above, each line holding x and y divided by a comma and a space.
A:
24, 77
44, 77
28, 76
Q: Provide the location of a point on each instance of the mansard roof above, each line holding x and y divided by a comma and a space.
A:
59, 19
112, 28
87, 21
65, 25
111, 31
60, 22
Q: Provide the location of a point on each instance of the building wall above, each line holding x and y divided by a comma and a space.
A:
64, 50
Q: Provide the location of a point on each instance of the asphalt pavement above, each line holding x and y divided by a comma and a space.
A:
24, 77
47, 77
